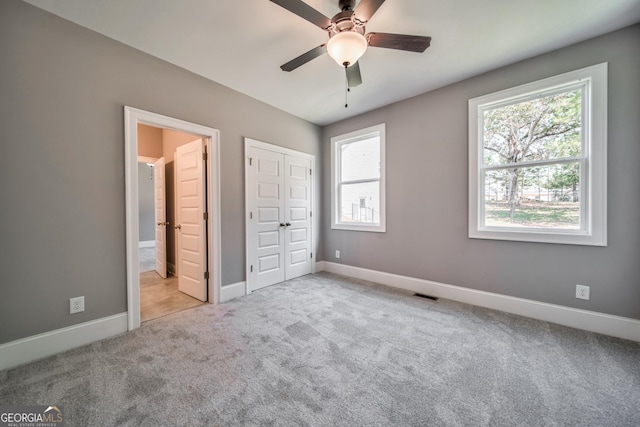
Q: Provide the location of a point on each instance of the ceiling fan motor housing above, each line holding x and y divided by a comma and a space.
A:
345, 21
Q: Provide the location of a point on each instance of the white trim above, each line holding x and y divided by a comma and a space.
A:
234, 290
145, 159
320, 266
335, 170
147, 244
133, 117
617, 326
276, 148
28, 349
593, 197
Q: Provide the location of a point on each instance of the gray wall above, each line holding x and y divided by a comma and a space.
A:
146, 205
62, 224
427, 192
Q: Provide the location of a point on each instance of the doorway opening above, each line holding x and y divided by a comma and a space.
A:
162, 290
181, 244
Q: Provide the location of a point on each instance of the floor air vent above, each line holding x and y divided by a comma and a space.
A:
426, 296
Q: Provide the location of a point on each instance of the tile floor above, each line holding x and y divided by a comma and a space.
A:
159, 297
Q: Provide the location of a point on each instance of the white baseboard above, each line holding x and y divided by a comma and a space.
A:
235, 290
147, 244
320, 267
25, 350
607, 324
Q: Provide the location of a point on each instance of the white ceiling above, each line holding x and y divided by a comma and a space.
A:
241, 44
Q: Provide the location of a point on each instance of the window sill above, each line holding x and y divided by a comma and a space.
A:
359, 227
564, 238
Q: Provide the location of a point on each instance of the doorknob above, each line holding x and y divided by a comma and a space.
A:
178, 227
288, 224
282, 224
163, 223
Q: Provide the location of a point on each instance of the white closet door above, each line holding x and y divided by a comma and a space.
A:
279, 195
297, 183
265, 199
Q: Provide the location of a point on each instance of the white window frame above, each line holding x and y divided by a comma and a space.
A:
593, 181
336, 141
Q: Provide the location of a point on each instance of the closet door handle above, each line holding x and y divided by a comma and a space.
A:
282, 224
178, 227
288, 224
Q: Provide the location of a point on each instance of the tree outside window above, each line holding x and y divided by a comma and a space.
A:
548, 130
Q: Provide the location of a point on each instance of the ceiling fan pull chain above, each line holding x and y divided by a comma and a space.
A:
346, 92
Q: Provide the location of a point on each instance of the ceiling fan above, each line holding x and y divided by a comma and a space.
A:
347, 38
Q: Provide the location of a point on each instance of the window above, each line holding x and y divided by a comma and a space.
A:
537, 161
357, 180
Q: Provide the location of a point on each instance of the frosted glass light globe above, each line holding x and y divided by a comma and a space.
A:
347, 47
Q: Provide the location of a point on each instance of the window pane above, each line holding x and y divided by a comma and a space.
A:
533, 197
360, 159
360, 203
540, 129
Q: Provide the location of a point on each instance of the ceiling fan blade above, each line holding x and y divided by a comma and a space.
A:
399, 41
304, 58
354, 78
305, 11
365, 10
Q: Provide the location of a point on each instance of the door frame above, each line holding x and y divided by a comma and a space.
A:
133, 117
248, 143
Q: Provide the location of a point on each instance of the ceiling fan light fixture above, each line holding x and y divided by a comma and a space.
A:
347, 47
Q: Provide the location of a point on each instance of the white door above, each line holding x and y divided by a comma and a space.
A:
278, 197
297, 232
191, 222
159, 203
265, 192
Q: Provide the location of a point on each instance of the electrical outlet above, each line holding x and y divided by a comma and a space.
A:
582, 292
337, 254
76, 305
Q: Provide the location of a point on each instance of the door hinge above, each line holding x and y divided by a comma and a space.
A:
311, 255
204, 156
250, 215
310, 214
310, 171
205, 216
252, 268
250, 161
206, 275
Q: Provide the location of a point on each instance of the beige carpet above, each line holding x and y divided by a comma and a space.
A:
323, 350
